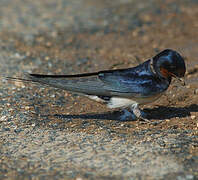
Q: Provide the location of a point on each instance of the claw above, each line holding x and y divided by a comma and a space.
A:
142, 115
136, 114
139, 114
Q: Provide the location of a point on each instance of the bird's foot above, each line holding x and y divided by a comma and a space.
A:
143, 116
135, 114
127, 116
140, 114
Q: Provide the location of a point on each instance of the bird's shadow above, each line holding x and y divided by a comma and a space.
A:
158, 113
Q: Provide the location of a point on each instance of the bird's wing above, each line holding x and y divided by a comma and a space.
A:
88, 83
128, 82
122, 83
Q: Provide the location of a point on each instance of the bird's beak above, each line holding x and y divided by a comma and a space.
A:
180, 79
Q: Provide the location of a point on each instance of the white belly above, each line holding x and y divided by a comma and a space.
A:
119, 102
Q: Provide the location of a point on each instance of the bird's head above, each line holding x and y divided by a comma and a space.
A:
168, 64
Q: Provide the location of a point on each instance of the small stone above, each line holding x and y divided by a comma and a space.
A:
53, 96
50, 64
19, 84
196, 91
189, 176
27, 108
6, 129
3, 118
17, 130
79, 178
192, 117
147, 18
17, 55
47, 58
48, 44
28, 53
54, 34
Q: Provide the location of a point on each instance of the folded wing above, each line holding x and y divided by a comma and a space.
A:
121, 83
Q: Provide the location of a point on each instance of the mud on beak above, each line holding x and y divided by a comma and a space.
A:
180, 79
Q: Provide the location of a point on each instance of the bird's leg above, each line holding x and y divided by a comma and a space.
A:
127, 115
142, 115
138, 113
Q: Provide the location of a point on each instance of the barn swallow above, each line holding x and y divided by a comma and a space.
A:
122, 88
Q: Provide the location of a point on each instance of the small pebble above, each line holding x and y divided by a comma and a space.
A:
193, 116
196, 91
17, 55
28, 53
48, 44
17, 130
53, 96
50, 64
27, 108
6, 129
78, 178
19, 84
3, 118
189, 176
47, 58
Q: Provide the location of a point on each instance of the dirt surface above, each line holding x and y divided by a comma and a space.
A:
46, 133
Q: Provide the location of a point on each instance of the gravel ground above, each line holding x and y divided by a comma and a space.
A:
47, 133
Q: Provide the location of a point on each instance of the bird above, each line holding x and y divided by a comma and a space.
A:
122, 88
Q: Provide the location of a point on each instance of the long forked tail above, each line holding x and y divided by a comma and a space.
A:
18, 79
87, 83
34, 78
